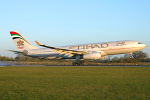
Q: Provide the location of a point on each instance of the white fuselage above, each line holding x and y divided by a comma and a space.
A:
108, 48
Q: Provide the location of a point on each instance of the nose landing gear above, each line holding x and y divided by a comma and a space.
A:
131, 56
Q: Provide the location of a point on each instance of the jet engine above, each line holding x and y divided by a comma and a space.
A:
95, 55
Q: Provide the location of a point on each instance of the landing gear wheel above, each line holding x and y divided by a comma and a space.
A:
78, 63
74, 64
131, 56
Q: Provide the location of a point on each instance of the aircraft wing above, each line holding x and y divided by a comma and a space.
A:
62, 50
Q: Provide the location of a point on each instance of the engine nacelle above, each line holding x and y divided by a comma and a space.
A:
95, 55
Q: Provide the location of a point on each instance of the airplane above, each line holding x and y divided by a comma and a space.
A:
79, 53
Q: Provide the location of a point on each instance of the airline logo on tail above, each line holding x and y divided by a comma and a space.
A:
20, 41
20, 44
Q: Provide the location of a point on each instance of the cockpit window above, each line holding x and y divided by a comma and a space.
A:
140, 43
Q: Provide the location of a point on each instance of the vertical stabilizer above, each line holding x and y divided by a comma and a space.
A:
20, 42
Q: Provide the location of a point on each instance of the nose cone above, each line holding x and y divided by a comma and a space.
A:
143, 46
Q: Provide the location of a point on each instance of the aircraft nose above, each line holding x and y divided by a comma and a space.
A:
144, 45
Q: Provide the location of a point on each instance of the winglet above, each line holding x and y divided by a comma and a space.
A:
38, 43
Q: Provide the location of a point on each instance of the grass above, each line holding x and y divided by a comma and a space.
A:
75, 83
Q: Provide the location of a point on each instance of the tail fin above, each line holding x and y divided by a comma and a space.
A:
20, 42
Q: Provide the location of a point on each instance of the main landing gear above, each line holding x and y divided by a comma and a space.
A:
78, 63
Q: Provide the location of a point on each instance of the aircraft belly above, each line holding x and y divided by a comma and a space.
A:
121, 50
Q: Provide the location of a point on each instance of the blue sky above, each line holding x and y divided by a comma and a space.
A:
70, 22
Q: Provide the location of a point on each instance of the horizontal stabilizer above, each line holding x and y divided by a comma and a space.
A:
19, 52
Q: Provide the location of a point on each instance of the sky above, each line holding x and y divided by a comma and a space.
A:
71, 22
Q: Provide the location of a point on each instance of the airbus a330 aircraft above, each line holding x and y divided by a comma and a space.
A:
77, 52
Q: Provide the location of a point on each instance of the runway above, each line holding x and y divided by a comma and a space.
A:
66, 66
9, 64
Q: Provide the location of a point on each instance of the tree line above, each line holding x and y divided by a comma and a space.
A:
138, 56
